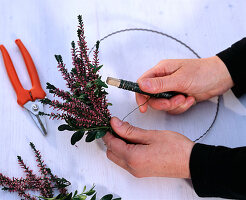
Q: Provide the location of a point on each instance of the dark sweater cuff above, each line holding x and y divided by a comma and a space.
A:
200, 175
235, 61
218, 171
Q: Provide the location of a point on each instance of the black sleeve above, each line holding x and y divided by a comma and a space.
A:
235, 60
218, 171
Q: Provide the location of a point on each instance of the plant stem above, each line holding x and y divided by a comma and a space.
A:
88, 129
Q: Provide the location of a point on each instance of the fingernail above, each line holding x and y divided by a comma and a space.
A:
146, 84
117, 122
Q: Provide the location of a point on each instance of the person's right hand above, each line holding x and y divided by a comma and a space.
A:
200, 79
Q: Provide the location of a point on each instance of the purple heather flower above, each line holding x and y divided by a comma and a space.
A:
84, 107
45, 184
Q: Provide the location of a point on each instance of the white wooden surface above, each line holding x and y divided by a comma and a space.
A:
48, 27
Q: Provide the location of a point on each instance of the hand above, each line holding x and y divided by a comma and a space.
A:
155, 153
200, 79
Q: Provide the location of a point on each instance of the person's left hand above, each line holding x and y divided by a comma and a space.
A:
155, 153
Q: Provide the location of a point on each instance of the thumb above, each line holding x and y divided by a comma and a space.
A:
159, 84
131, 133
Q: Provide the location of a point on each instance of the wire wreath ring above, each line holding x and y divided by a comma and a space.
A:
178, 41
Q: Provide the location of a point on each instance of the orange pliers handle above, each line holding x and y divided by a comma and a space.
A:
23, 95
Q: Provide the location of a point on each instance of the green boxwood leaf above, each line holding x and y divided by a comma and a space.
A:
64, 127
82, 197
75, 193
100, 133
60, 196
90, 192
77, 136
90, 136
69, 196
100, 83
107, 197
109, 104
94, 197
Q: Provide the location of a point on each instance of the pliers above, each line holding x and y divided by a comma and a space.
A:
29, 99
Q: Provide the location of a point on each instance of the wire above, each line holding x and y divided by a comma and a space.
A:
178, 41
135, 109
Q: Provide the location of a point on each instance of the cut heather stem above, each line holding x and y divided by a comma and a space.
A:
84, 107
45, 184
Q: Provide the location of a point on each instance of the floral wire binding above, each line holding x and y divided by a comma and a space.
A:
178, 41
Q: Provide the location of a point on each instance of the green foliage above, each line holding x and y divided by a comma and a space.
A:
99, 83
86, 93
95, 134
64, 127
82, 196
72, 123
107, 197
50, 86
73, 44
46, 101
59, 58
95, 69
77, 136
97, 44
91, 135
100, 133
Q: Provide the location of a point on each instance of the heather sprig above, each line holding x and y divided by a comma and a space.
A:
45, 183
84, 107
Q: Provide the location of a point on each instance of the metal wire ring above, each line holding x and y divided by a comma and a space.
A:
178, 41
